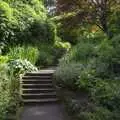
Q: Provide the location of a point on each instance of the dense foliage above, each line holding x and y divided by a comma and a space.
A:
74, 16
24, 26
27, 37
23, 19
89, 62
9, 86
99, 77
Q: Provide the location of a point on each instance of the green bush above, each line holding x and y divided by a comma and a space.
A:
104, 95
4, 104
106, 63
6, 18
49, 54
108, 93
67, 74
8, 104
9, 86
19, 66
82, 52
114, 24
59, 49
43, 32
21, 20
46, 56
44, 59
115, 43
68, 35
99, 77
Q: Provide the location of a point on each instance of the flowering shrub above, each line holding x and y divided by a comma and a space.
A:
20, 66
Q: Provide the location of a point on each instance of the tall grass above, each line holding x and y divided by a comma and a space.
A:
29, 53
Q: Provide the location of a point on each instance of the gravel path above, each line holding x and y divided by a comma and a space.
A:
44, 112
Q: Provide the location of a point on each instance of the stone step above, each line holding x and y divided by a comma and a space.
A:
39, 96
37, 101
32, 81
39, 74
38, 90
36, 77
37, 85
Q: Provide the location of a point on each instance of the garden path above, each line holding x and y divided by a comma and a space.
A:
44, 112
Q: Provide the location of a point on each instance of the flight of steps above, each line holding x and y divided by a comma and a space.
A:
38, 88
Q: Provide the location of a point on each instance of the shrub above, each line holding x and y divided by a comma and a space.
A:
4, 104
6, 17
44, 59
68, 35
43, 31
19, 66
21, 19
114, 24
8, 104
107, 58
59, 49
67, 74
108, 94
9, 86
105, 94
49, 54
87, 47
3, 77
115, 43
82, 52
46, 56
99, 78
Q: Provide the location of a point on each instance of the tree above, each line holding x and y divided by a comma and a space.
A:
90, 11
